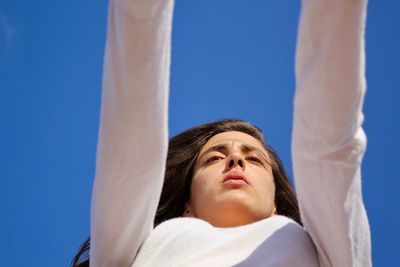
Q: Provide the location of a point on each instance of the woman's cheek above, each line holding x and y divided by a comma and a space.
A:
203, 183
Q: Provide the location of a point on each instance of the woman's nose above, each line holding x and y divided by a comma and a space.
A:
234, 160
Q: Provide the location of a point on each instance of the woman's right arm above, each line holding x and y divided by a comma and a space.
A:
132, 143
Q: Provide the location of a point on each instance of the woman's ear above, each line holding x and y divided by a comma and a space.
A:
275, 212
188, 211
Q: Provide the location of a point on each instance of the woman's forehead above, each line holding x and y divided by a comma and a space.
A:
231, 138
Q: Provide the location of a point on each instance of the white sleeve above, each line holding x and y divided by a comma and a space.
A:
133, 139
328, 142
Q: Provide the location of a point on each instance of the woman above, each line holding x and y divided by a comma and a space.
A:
231, 204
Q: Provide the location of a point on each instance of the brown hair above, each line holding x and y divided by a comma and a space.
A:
183, 150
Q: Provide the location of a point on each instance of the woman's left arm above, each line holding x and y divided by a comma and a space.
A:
328, 141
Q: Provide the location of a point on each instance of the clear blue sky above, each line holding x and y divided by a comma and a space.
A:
230, 59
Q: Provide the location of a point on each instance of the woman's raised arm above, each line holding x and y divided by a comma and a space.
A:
132, 144
328, 141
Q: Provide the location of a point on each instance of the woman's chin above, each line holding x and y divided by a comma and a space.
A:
236, 209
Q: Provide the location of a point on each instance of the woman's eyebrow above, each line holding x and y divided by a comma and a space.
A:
245, 148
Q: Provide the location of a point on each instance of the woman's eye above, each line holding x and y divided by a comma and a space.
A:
254, 159
213, 158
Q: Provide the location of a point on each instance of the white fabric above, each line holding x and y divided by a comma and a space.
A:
328, 145
276, 241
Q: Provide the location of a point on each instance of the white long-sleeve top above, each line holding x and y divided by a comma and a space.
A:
328, 145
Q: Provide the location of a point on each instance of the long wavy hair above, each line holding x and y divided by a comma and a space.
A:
183, 151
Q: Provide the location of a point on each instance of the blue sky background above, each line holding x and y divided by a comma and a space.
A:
230, 58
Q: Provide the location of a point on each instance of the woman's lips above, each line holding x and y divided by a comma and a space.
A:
235, 182
235, 179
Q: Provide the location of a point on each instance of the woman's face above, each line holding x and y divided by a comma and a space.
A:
232, 181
